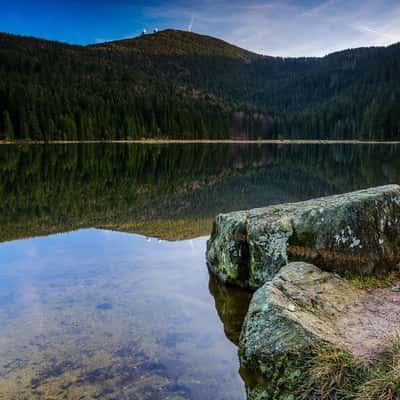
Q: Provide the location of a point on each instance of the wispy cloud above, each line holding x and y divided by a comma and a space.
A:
385, 37
288, 27
190, 27
320, 8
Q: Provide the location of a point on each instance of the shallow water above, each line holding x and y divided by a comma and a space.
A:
106, 312
96, 313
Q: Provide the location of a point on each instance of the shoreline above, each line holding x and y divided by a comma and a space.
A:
200, 141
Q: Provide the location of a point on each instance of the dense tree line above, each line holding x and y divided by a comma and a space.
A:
54, 91
182, 85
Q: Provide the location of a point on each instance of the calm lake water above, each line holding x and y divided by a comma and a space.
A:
104, 290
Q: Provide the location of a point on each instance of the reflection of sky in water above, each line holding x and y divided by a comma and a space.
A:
102, 314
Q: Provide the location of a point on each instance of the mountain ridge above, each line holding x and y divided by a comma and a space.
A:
126, 41
159, 44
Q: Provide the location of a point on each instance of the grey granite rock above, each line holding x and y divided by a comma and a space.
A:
356, 233
287, 318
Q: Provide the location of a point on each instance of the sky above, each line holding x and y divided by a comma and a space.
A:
272, 27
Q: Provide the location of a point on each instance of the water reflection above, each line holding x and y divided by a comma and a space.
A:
98, 314
171, 192
231, 304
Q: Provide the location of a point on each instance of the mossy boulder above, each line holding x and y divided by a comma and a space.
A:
288, 318
357, 233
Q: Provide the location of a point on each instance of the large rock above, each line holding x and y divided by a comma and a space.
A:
287, 318
357, 233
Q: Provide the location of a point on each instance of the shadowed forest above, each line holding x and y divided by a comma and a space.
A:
181, 85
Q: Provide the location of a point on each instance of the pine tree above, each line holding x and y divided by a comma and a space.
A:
8, 126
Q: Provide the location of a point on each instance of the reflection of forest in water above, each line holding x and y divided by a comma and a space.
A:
172, 191
126, 317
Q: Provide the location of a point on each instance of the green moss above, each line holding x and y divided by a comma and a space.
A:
329, 373
375, 281
279, 382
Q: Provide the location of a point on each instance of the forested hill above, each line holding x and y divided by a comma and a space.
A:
180, 43
176, 84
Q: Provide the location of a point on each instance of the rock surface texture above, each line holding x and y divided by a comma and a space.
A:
356, 233
287, 318
303, 309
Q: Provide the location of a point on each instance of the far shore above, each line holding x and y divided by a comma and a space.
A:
205, 141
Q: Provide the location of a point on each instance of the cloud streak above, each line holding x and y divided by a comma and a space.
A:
190, 27
288, 27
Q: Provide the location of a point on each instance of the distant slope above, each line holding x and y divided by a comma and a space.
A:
179, 43
183, 85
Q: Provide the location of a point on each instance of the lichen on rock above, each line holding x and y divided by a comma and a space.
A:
356, 233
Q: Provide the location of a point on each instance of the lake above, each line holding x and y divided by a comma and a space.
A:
104, 288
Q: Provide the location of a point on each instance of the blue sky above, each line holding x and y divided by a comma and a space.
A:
274, 27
